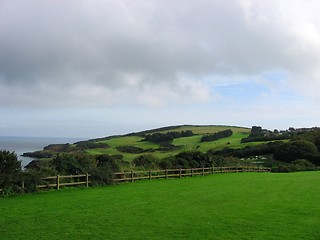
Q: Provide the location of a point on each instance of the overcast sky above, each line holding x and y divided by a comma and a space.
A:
84, 68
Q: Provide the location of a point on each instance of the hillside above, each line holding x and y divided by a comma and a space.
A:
185, 146
123, 144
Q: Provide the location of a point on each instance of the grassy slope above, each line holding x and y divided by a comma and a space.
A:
225, 206
188, 143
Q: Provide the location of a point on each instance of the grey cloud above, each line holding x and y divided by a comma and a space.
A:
73, 43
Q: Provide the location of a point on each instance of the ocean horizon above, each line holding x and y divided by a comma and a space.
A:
20, 145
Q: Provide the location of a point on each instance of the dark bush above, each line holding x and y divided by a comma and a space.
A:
73, 164
281, 169
166, 163
292, 150
146, 161
10, 169
191, 159
10, 184
314, 158
302, 165
216, 136
9, 162
31, 180
130, 149
167, 137
168, 146
42, 166
294, 166
222, 161
107, 165
91, 145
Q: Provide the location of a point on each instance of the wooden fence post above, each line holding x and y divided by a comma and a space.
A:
202, 171
58, 182
166, 173
180, 173
87, 180
149, 174
132, 176
191, 172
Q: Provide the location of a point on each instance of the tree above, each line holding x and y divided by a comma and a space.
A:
290, 151
9, 163
256, 130
10, 168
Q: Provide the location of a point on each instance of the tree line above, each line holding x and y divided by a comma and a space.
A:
167, 137
216, 136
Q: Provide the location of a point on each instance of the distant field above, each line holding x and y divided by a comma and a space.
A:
222, 206
209, 129
186, 143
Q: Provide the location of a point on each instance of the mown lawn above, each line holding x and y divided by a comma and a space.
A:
221, 206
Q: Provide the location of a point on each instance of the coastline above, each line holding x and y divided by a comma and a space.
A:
20, 145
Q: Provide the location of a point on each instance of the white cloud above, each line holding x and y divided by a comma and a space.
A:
296, 27
116, 45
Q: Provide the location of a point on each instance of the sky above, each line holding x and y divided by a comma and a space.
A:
83, 68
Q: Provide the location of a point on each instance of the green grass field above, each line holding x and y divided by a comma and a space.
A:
221, 206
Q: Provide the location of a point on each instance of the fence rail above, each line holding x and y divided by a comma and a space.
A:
182, 172
69, 180
84, 179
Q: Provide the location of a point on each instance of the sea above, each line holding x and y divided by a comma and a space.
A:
20, 145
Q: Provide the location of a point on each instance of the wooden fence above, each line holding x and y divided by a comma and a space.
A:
83, 179
69, 180
179, 173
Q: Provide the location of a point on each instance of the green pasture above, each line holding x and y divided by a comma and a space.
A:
193, 143
221, 206
186, 143
204, 129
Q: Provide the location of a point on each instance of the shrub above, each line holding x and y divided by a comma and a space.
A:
10, 184
91, 145
107, 165
192, 159
9, 162
31, 180
167, 137
281, 168
147, 161
44, 166
166, 163
302, 165
73, 163
10, 168
130, 149
293, 150
294, 166
216, 136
